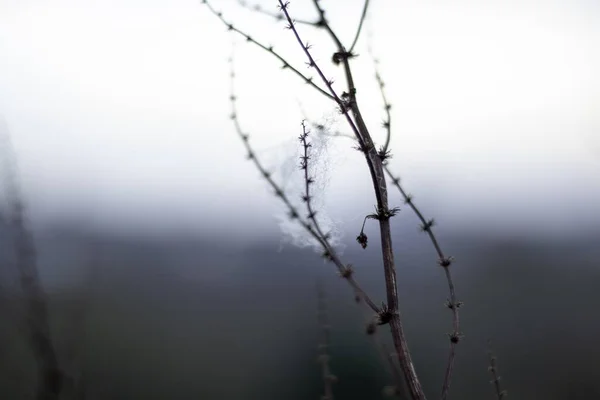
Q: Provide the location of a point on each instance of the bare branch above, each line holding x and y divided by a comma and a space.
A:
444, 261
360, 25
387, 122
277, 16
268, 49
343, 104
374, 162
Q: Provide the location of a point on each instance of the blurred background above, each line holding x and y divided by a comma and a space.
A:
173, 270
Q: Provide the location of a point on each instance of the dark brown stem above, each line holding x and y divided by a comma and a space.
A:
347, 104
268, 49
453, 304
380, 187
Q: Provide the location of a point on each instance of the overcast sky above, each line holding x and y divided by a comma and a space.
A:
119, 110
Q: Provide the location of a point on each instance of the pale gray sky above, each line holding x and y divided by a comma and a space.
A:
119, 109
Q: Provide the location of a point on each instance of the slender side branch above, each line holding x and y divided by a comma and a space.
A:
360, 25
343, 104
308, 181
268, 49
387, 122
426, 226
259, 9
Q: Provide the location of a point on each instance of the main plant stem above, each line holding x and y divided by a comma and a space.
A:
380, 187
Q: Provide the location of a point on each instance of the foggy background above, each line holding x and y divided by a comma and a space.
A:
145, 211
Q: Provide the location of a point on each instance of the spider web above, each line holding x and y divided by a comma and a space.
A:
284, 160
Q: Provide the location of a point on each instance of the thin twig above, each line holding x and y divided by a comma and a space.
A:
268, 49
317, 24
277, 16
342, 104
360, 25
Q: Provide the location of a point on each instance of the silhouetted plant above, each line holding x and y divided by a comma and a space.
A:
377, 162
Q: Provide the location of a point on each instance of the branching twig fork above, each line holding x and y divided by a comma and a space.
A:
344, 270
268, 49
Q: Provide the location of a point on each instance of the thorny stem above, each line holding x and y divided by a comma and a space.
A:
379, 184
343, 269
445, 261
453, 304
268, 49
307, 198
343, 105
387, 123
308, 180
